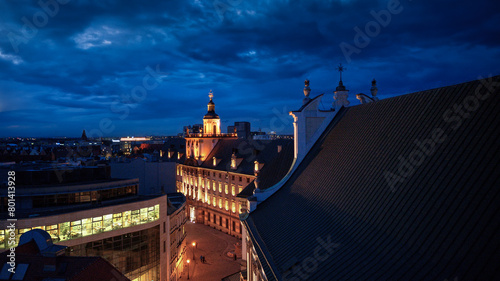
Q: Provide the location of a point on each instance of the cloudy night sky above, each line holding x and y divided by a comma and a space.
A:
145, 67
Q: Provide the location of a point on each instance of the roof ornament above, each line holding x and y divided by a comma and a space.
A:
374, 89
256, 182
211, 95
341, 69
341, 93
367, 99
307, 91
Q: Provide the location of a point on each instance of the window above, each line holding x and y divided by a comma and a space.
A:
232, 178
220, 203
233, 190
240, 178
227, 223
248, 180
164, 227
233, 207
234, 226
226, 189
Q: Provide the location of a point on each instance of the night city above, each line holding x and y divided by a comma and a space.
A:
233, 140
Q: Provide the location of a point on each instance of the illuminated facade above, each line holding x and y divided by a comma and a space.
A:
218, 167
142, 236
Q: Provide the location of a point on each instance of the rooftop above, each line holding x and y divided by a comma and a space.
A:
404, 188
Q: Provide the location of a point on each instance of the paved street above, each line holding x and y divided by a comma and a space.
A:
213, 245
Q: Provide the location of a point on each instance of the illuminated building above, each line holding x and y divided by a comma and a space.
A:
405, 188
220, 171
93, 214
38, 259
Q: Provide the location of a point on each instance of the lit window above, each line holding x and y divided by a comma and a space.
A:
256, 166
233, 207
215, 161
214, 202
220, 203
226, 188
220, 187
226, 204
233, 190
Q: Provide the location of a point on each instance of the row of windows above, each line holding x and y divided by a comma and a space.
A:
219, 184
218, 220
136, 254
89, 226
194, 172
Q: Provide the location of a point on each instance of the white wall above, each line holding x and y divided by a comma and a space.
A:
154, 177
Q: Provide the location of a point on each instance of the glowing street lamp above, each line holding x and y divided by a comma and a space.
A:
188, 268
194, 245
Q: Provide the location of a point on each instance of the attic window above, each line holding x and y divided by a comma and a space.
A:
215, 161
256, 167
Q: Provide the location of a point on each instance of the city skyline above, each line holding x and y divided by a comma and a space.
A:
118, 68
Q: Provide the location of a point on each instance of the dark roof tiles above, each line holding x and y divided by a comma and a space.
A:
405, 189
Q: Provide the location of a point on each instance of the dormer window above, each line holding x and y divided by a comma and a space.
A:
256, 168
215, 161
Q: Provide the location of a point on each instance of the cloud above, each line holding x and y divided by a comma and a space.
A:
255, 55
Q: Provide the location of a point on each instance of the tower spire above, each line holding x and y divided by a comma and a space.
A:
340, 93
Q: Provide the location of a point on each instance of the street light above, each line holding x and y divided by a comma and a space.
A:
188, 268
194, 244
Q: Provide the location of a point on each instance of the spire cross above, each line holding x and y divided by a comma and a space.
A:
211, 95
341, 69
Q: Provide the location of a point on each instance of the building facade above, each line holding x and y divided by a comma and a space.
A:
218, 167
95, 215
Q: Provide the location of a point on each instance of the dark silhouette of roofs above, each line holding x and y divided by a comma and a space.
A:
39, 267
405, 188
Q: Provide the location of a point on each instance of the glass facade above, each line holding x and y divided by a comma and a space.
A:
135, 254
89, 226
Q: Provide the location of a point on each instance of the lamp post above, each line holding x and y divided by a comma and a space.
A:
188, 268
194, 244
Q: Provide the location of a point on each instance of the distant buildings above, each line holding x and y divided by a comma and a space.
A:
404, 188
218, 167
93, 214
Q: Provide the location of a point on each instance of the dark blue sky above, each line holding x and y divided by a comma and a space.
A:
145, 67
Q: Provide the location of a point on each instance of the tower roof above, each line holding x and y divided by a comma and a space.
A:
211, 108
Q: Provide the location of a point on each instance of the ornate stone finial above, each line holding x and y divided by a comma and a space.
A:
256, 182
374, 88
211, 95
307, 91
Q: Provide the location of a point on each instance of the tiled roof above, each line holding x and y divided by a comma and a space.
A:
357, 209
247, 151
274, 171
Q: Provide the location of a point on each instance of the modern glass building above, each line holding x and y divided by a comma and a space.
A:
142, 236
